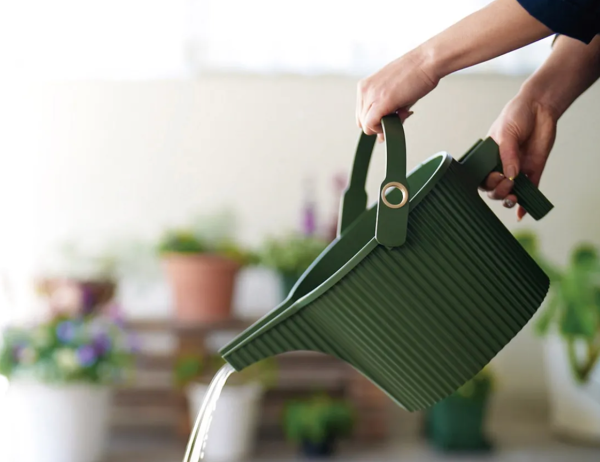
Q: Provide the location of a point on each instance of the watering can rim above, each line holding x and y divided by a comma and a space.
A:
290, 305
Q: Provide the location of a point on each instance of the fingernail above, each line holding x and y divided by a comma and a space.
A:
508, 203
511, 172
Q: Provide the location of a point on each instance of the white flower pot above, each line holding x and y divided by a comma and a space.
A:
57, 423
233, 427
575, 408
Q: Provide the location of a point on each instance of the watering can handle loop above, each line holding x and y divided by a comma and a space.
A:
484, 158
392, 216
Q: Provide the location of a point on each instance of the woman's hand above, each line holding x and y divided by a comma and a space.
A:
525, 132
526, 128
494, 30
395, 88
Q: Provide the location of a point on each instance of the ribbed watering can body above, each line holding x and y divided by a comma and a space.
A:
420, 291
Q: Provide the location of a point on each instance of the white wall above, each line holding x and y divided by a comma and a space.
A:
99, 159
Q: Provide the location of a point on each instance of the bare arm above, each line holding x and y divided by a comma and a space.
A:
570, 70
500, 27
497, 29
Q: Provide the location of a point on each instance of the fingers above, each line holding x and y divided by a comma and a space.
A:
368, 116
510, 201
371, 120
370, 109
497, 185
492, 181
502, 190
509, 153
508, 143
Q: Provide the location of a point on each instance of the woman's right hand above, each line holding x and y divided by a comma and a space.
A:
525, 130
395, 88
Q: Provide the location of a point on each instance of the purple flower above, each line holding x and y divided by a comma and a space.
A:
308, 226
133, 344
88, 300
115, 314
102, 343
17, 350
65, 331
86, 355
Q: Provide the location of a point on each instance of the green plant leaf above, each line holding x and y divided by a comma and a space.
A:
548, 315
291, 255
318, 418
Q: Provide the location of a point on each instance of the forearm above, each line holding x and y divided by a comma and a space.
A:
499, 28
569, 71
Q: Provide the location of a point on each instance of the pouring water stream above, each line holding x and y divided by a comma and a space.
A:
197, 441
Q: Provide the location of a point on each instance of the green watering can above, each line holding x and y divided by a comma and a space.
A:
419, 292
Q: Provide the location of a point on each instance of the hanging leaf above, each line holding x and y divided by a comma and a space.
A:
578, 322
548, 314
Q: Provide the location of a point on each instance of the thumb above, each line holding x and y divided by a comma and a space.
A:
509, 153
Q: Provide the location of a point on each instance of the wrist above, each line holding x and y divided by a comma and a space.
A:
569, 71
432, 60
541, 94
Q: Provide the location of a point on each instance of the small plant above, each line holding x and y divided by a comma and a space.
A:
317, 420
88, 349
573, 307
479, 387
292, 255
191, 368
457, 423
185, 241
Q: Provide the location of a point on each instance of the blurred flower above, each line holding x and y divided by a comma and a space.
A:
115, 314
26, 355
66, 331
86, 355
66, 359
88, 298
102, 343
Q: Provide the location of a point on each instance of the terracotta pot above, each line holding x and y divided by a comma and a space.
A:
202, 286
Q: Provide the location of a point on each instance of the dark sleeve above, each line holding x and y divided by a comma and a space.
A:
578, 19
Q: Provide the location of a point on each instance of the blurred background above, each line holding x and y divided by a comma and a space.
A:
170, 168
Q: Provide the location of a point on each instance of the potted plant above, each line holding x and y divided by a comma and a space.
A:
61, 372
457, 423
570, 325
234, 423
201, 273
76, 296
290, 256
317, 424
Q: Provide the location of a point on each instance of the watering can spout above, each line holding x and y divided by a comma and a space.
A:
253, 345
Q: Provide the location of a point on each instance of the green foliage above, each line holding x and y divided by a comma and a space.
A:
88, 349
181, 241
479, 387
186, 241
318, 419
191, 368
291, 255
573, 306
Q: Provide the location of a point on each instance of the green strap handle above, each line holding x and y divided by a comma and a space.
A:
392, 218
484, 158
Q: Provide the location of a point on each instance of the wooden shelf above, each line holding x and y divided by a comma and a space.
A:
152, 403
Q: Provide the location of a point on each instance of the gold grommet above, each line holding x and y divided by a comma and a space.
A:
401, 187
